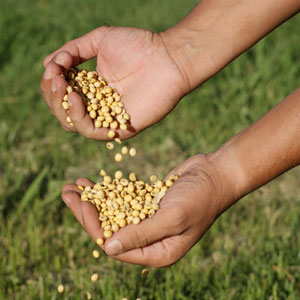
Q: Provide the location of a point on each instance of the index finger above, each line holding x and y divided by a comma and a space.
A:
82, 48
61, 61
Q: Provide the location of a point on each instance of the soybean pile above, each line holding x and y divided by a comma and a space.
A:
121, 201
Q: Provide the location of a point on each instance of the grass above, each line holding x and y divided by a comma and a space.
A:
251, 252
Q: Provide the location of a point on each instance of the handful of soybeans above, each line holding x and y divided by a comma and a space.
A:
121, 201
103, 103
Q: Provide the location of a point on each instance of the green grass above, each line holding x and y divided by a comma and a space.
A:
251, 252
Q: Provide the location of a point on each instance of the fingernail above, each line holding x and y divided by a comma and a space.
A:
48, 74
70, 102
113, 248
53, 87
60, 59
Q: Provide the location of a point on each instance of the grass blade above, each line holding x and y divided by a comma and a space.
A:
32, 191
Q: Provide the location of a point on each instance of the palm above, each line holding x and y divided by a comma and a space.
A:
189, 204
185, 213
135, 62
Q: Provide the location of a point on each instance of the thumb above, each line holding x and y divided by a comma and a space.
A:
81, 49
163, 224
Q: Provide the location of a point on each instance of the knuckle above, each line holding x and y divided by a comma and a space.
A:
46, 60
102, 29
69, 44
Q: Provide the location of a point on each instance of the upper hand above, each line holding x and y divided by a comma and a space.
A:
134, 61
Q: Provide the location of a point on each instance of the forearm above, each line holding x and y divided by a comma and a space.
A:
263, 151
217, 31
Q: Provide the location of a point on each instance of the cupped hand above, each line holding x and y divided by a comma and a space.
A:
135, 61
186, 212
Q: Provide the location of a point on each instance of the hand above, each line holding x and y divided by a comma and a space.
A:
134, 61
186, 212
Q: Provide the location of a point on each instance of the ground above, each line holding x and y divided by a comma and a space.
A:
251, 252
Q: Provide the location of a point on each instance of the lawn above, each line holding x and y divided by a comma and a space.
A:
253, 250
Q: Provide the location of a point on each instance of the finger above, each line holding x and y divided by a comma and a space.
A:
82, 121
84, 182
72, 200
46, 82
163, 224
63, 59
55, 67
91, 221
80, 118
53, 87
84, 124
83, 48
58, 90
71, 187
90, 215
71, 196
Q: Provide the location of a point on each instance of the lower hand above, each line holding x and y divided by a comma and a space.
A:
186, 212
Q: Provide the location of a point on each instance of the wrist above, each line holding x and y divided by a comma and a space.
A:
194, 54
219, 175
230, 175
216, 32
